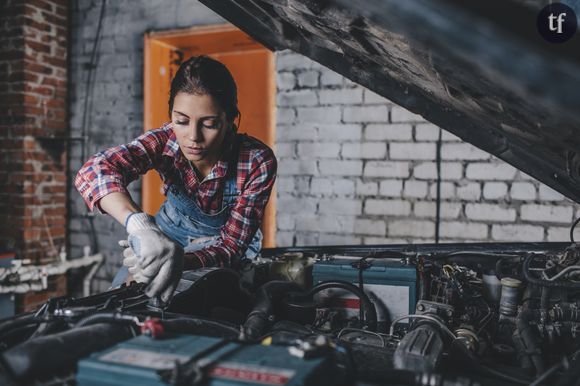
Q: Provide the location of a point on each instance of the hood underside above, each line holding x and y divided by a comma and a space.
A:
479, 70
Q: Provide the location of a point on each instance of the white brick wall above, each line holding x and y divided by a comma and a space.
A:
366, 188
547, 213
412, 151
366, 114
341, 168
412, 228
519, 232
523, 191
318, 150
386, 169
340, 132
491, 212
490, 171
549, 194
320, 114
366, 150
391, 188
495, 190
469, 191
449, 210
391, 132
353, 168
463, 230
462, 152
387, 207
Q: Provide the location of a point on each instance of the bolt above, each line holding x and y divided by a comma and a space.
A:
420, 307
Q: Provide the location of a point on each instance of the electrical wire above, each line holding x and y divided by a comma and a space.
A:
88, 92
438, 198
541, 282
108, 317
90, 79
561, 273
572, 230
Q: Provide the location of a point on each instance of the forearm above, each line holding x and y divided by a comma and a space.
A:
119, 206
221, 254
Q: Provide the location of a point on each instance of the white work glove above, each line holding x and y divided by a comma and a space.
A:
152, 257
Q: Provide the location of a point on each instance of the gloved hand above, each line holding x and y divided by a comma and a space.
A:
130, 261
152, 257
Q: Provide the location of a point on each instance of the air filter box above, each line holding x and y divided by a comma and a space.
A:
390, 284
141, 360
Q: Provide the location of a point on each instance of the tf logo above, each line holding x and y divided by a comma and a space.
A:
557, 23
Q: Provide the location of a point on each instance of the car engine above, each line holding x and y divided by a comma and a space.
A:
448, 314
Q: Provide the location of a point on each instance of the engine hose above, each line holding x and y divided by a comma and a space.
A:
262, 314
29, 360
529, 348
27, 320
542, 282
200, 327
107, 317
16, 336
368, 307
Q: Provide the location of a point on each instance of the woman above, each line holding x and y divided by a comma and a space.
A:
216, 182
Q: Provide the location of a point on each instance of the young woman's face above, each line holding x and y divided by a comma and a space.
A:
200, 126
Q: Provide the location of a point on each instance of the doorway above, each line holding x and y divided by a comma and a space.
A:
252, 66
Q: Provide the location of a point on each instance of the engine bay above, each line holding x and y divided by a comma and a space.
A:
449, 314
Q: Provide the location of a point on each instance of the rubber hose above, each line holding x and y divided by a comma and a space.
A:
268, 295
44, 356
368, 307
22, 321
524, 329
544, 283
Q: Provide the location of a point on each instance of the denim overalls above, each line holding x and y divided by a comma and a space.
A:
184, 222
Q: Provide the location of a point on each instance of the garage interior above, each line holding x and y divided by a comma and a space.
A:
427, 157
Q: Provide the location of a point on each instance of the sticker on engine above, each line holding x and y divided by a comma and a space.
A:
391, 301
141, 358
252, 373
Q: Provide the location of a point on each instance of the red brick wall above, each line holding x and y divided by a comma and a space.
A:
33, 123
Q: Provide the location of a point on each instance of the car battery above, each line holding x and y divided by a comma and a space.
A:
142, 361
390, 284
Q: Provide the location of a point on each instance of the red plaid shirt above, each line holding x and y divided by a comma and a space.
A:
113, 169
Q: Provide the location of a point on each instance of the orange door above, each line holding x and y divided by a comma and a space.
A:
252, 66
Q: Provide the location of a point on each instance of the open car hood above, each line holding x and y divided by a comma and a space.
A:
479, 70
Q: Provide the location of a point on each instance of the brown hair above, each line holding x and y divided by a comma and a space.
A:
204, 75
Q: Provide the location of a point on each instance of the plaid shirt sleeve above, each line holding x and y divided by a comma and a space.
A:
113, 169
245, 217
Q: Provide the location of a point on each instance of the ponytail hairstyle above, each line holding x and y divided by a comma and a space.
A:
200, 75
